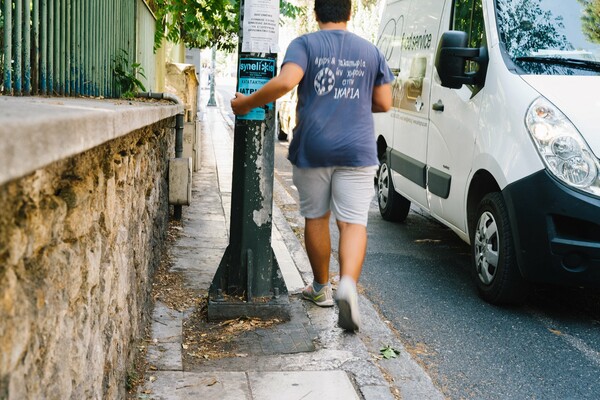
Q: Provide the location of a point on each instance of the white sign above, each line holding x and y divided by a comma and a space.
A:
261, 26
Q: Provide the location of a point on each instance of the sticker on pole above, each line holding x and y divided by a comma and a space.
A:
253, 74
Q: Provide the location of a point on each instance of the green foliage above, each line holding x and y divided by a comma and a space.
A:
527, 28
203, 23
126, 75
365, 19
590, 19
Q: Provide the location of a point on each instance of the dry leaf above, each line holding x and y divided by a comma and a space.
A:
212, 382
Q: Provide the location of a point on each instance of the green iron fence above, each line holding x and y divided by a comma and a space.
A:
68, 47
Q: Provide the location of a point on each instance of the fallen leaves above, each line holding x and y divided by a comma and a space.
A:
168, 286
204, 340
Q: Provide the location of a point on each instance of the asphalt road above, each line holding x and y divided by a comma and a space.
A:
418, 274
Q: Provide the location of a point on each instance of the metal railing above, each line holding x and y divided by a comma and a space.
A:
146, 26
68, 47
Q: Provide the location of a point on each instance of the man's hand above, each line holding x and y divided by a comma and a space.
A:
238, 104
288, 77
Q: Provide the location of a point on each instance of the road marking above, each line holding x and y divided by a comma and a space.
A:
579, 344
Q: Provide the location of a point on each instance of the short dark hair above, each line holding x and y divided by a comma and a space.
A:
333, 10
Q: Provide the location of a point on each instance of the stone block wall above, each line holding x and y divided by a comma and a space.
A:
79, 241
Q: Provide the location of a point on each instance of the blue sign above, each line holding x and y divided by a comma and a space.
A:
253, 74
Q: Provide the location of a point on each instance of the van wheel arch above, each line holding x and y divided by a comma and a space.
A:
381, 150
392, 205
482, 183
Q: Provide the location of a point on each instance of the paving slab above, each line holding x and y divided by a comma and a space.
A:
179, 385
305, 385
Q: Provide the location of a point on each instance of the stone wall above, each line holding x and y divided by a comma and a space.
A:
79, 240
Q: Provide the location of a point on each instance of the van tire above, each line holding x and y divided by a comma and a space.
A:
392, 206
492, 243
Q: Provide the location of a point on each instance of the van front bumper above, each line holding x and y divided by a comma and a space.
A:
556, 231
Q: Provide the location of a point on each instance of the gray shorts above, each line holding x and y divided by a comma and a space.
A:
346, 191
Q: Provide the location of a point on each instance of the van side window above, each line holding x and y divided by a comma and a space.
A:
468, 17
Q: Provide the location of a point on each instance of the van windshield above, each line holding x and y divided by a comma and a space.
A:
551, 37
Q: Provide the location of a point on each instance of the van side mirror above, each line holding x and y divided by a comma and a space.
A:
451, 58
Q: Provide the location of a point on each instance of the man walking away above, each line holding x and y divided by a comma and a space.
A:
342, 79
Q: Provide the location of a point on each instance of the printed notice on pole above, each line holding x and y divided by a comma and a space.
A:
261, 26
253, 74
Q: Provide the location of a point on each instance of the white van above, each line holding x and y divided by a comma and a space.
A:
495, 131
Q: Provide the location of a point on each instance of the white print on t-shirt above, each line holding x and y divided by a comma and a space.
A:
346, 75
324, 81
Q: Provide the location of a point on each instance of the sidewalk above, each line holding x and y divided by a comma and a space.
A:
308, 357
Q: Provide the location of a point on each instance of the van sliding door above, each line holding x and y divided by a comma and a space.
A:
411, 100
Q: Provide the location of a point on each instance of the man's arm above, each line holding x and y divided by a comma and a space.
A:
290, 75
382, 98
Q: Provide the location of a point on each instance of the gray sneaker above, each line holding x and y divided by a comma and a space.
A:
322, 298
347, 301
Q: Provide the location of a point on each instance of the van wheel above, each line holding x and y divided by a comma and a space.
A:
495, 265
392, 206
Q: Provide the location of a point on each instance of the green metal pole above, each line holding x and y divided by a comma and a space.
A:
64, 37
7, 46
79, 47
58, 49
18, 43
44, 48
35, 25
102, 49
96, 38
50, 48
26, 47
87, 50
249, 268
68, 55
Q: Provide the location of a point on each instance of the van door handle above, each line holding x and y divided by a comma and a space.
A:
439, 106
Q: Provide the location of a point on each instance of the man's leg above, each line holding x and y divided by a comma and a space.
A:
318, 246
314, 190
352, 192
352, 249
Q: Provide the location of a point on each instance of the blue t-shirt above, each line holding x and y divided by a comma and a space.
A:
334, 119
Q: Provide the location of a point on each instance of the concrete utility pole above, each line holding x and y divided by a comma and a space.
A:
248, 281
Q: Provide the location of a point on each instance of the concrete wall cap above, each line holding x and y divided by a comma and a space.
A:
36, 131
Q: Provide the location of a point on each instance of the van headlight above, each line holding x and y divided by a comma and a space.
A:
562, 148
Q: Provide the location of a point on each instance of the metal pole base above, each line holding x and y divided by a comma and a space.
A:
229, 298
231, 309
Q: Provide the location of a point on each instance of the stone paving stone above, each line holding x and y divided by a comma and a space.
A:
173, 385
305, 385
168, 324
165, 356
376, 393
